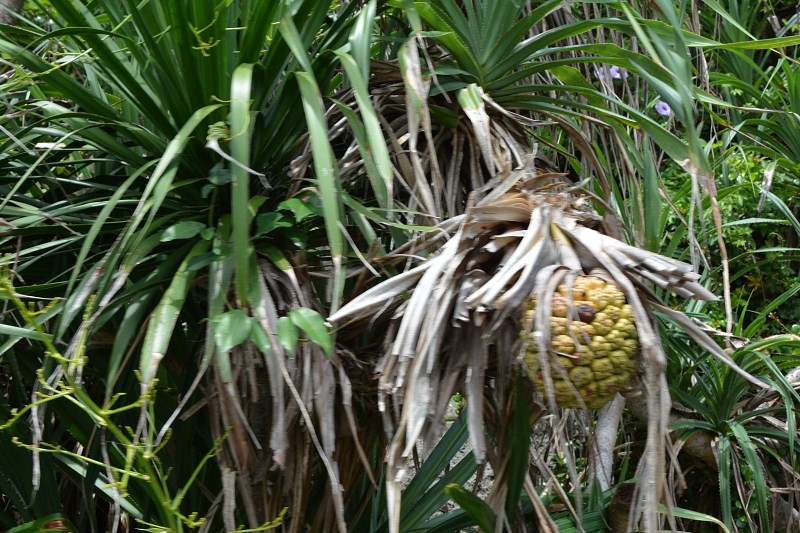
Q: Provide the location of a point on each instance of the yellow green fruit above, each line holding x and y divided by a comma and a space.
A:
592, 354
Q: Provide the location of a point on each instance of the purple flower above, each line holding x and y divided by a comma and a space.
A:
617, 73
614, 72
663, 109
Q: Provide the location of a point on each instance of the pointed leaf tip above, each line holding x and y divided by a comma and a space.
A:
313, 325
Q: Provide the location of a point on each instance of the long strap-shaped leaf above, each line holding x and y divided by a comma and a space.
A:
116, 66
241, 132
326, 171
165, 316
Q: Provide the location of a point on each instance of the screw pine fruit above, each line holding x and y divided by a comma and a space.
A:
593, 348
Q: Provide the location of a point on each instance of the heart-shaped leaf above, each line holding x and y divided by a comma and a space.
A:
313, 325
268, 222
260, 339
297, 206
231, 329
182, 230
288, 335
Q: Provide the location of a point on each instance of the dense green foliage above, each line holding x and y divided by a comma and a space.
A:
189, 189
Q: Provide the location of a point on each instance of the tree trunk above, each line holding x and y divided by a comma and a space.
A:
7, 10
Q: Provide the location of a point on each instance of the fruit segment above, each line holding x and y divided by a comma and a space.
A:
593, 348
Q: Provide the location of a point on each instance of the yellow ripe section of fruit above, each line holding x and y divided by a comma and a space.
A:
593, 343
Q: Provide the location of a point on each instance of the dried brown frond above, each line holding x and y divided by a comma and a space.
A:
298, 421
461, 320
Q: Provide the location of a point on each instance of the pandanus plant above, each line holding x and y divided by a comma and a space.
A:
526, 272
525, 279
